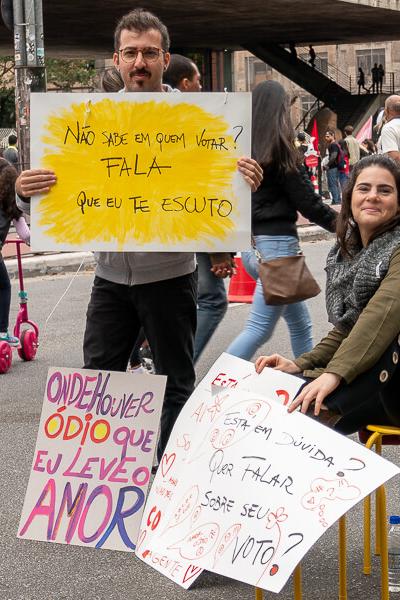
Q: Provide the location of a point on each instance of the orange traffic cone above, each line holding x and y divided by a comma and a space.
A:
241, 286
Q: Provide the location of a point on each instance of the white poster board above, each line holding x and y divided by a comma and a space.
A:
256, 489
142, 171
198, 415
93, 458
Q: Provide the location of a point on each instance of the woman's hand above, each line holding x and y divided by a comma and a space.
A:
278, 362
316, 392
34, 181
251, 171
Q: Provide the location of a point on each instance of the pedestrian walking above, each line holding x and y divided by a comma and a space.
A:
375, 78
212, 302
381, 76
330, 165
156, 290
361, 80
312, 55
353, 375
285, 189
352, 145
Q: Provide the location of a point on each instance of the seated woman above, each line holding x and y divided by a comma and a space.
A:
353, 375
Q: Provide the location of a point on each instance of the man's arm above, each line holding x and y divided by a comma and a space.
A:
389, 143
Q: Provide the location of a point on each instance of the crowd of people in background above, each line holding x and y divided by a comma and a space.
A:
125, 311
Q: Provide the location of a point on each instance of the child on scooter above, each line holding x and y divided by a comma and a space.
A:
9, 212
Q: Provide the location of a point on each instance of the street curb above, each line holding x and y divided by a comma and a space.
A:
314, 233
51, 264
63, 262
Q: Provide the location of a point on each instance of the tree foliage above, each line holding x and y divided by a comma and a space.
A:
62, 74
65, 75
7, 102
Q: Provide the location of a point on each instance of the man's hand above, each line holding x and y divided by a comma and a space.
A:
224, 269
316, 391
251, 171
34, 181
277, 362
222, 264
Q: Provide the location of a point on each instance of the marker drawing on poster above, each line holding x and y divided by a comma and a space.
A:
93, 458
254, 487
149, 172
201, 412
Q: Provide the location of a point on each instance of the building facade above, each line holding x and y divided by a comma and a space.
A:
343, 60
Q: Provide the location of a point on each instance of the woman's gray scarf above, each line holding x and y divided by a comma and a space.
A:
352, 282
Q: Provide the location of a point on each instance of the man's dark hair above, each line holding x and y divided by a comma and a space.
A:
141, 20
330, 132
12, 139
180, 67
348, 130
111, 80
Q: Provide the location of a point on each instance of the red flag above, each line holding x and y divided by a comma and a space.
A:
314, 135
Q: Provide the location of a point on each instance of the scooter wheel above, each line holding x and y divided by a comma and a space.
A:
5, 357
29, 344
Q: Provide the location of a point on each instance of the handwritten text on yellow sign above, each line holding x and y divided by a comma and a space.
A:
140, 171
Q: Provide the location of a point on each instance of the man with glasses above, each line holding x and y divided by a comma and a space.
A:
153, 289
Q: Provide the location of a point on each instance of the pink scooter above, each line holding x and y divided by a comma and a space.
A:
27, 331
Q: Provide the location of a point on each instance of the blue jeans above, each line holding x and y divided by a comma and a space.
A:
333, 184
211, 303
263, 317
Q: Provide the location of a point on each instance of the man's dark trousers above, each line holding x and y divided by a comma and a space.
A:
167, 311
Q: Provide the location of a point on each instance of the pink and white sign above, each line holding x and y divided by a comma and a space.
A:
93, 458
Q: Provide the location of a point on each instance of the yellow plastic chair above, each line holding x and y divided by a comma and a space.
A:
378, 435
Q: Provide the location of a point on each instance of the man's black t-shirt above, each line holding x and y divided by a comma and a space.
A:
333, 151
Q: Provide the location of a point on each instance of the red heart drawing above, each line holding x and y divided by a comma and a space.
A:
145, 553
167, 462
191, 571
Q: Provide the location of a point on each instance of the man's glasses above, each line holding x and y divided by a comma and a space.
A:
149, 55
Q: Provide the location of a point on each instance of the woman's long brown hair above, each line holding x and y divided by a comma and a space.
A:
272, 130
347, 231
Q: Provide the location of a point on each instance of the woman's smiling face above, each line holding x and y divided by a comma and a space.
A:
374, 200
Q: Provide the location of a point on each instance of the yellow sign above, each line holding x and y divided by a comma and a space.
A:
142, 171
